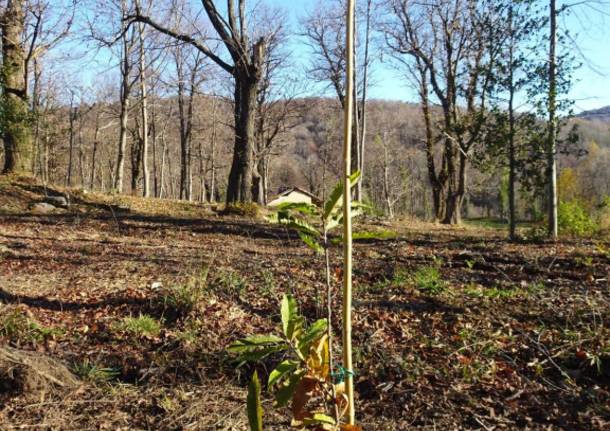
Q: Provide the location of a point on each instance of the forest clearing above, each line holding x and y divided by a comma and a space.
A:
454, 327
330, 215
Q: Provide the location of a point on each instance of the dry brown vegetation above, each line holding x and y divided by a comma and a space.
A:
454, 328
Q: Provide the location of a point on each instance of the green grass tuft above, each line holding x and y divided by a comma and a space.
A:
17, 327
143, 325
91, 372
428, 279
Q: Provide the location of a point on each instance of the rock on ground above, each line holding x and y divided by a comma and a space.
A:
43, 208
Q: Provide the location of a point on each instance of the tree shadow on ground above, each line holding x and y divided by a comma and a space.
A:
128, 222
140, 305
425, 305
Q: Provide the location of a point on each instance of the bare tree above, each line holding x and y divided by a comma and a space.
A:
128, 42
324, 31
276, 112
247, 52
111, 31
451, 44
188, 78
143, 108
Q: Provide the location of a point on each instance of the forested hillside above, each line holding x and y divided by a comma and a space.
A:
601, 114
79, 150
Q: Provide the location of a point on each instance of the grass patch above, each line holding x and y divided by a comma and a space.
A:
182, 299
15, 326
268, 287
381, 234
229, 283
91, 372
141, 326
399, 278
488, 223
428, 279
494, 292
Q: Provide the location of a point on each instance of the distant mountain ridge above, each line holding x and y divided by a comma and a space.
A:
600, 114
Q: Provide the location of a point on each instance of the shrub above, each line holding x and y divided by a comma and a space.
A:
250, 209
574, 219
536, 233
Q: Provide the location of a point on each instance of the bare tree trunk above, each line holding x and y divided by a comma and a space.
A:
94, 151
438, 181
265, 179
136, 156
81, 153
457, 188
213, 155
202, 185
37, 157
172, 194
17, 135
72, 119
144, 113
159, 178
153, 126
185, 111
120, 163
551, 149
257, 183
124, 101
367, 34
184, 131
45, 177
239, 188
163, 153
386, 179
111, 173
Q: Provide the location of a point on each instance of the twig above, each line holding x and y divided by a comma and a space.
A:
515, 395
480, 422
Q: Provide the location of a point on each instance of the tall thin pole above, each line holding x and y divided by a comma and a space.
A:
347, 220
144, 113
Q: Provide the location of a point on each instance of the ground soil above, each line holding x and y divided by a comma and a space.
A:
508, 336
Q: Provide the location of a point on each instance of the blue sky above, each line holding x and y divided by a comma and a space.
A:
591, 90
590, 29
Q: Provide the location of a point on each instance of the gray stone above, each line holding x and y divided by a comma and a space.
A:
58, 201
43, 208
